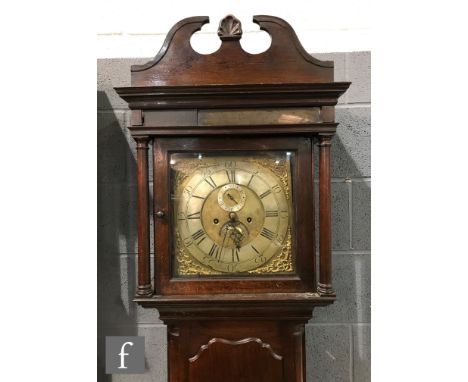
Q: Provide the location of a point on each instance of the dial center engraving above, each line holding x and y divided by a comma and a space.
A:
232, 231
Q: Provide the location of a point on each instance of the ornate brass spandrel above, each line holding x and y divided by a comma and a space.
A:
182, 170
280, 168
281, 263
187, 265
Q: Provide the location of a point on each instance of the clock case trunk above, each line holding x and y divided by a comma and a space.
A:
249, 329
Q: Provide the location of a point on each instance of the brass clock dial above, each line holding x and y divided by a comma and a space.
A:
233, 213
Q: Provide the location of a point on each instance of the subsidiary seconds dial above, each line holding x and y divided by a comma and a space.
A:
231, 197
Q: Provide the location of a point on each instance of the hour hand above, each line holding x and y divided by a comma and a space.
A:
232, 198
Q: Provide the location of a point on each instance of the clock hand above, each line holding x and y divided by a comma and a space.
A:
222, 245
232, 198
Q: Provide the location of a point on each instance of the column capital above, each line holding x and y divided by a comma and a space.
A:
324, 140
142, 141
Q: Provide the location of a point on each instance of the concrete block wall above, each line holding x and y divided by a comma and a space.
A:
338, 337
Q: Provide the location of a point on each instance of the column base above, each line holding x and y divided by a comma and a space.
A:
144, 290
325, 290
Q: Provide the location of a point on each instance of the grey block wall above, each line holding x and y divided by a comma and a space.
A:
338, 337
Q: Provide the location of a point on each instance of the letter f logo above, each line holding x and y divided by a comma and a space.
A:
123, 354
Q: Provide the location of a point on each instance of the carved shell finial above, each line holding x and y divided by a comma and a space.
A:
230, 29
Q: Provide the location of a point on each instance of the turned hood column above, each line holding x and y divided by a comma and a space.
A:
144, 275
325, 275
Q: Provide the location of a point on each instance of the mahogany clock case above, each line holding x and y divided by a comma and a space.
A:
302, 280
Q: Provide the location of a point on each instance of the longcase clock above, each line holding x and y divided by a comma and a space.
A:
233, 134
